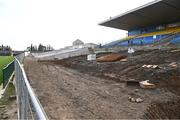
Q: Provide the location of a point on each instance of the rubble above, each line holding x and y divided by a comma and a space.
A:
135, 100
139, 100
173, 64
151, 66
146, 84
175, 50
131, 99
123, 60
91, 57
136, 90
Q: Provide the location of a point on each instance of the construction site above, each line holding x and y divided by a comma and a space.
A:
137, 77
77, 88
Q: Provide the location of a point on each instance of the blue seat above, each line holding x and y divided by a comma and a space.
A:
176, 40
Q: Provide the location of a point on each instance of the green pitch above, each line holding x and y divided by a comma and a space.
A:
4, 60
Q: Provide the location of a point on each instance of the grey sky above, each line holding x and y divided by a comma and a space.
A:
59, 22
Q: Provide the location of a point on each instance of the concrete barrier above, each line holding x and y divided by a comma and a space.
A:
61, 54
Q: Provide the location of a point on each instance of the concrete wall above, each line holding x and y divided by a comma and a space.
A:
62, 54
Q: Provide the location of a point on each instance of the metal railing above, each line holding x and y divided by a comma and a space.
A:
28, 104
7, 73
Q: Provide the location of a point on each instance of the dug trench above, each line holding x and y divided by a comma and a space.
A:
105, 86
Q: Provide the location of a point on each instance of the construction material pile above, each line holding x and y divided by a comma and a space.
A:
111, 57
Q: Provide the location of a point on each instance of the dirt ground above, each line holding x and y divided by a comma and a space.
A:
8, 106
75, 88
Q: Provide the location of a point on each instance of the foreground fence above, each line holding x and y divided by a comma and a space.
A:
29, 106
7, 73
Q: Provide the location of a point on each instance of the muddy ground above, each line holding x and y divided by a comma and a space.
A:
76, 88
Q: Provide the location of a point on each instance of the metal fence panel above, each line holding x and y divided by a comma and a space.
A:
20, 57
7, 73
29, 106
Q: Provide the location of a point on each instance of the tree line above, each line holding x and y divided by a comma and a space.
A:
40, 48
5, 48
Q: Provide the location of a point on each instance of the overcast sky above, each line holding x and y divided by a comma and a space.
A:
60, 22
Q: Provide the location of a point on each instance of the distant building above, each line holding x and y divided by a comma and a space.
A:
78, 42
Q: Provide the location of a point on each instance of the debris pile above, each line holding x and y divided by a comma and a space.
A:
173, 64
151, 66
146, 84
175, 50
91, 57
135, 100
111, 57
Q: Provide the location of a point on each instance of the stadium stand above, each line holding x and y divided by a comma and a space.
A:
149, 24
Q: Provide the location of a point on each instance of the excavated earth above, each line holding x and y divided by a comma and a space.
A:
75, 88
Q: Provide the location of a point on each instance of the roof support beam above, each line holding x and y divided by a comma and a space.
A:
171, 5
